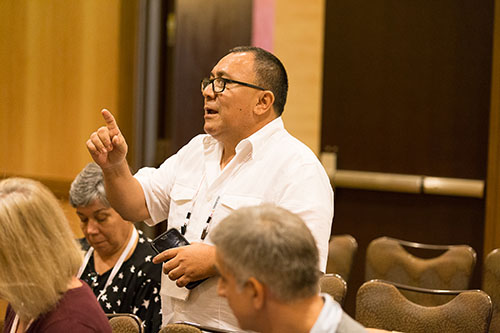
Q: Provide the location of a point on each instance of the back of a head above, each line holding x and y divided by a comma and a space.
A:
271, 74
38, 253
272, 245
87, 186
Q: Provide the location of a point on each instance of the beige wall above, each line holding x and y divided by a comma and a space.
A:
298, 42
58, 68
62, 68
59, 71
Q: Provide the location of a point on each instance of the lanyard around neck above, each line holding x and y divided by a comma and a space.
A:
116, 267
204, 233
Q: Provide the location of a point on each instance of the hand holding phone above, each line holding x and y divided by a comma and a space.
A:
170, 239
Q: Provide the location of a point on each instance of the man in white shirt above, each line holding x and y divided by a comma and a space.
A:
267, 260
246, 158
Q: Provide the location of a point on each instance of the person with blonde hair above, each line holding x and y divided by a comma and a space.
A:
39, 260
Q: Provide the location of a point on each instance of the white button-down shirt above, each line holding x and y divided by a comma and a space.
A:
270, 166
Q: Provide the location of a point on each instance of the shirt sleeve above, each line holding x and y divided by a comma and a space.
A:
156, 184
310, 196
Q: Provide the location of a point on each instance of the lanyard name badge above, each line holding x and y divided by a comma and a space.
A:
116, 267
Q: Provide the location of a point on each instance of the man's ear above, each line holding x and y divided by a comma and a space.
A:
265, 102
257, 292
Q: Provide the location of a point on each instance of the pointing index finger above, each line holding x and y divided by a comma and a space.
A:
110, 122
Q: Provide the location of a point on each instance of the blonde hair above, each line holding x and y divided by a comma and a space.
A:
38, 252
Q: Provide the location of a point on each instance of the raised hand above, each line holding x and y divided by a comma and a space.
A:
107, 146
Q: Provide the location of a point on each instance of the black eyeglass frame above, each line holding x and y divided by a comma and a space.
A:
205, 82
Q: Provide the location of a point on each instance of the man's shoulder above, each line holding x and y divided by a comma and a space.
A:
291, 147
349, 325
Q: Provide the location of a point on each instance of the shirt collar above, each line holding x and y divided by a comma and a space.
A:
254, 142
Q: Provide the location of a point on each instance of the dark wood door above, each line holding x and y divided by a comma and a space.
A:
206, 30
407, 90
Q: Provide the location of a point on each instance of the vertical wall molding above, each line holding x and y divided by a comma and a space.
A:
263, 14
299, 43
492, 222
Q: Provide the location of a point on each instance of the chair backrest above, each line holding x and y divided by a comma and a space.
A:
125, 323
491, 285
335, 286
190, 327
341, 252
380, 304
179, 328
388, 259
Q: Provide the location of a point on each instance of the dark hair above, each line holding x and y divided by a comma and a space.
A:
270, 72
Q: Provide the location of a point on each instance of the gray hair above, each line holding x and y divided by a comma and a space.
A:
88, 186
272, 245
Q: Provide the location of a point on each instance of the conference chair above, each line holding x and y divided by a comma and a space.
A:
179, 328
341, 252
380, 304
335, 286
125, 323
189, 327
491, 285
390, 259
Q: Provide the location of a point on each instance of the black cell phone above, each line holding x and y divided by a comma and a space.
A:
169, 239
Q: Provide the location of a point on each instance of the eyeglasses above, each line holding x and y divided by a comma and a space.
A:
219, 84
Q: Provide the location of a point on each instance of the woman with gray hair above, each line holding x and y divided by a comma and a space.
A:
117, 264
39, 260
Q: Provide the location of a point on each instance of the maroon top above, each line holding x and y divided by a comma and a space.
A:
76, 312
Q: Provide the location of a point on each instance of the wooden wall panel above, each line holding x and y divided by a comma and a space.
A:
59, 63
492, 223
58, 68
203, 36
298, 42
407, 90
12, 72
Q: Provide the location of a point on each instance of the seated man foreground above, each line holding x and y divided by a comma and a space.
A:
269, 272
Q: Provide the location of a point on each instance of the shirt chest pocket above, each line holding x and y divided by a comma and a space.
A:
230, 203
182, 199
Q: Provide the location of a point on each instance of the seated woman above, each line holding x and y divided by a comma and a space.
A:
117, 264
39, 260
